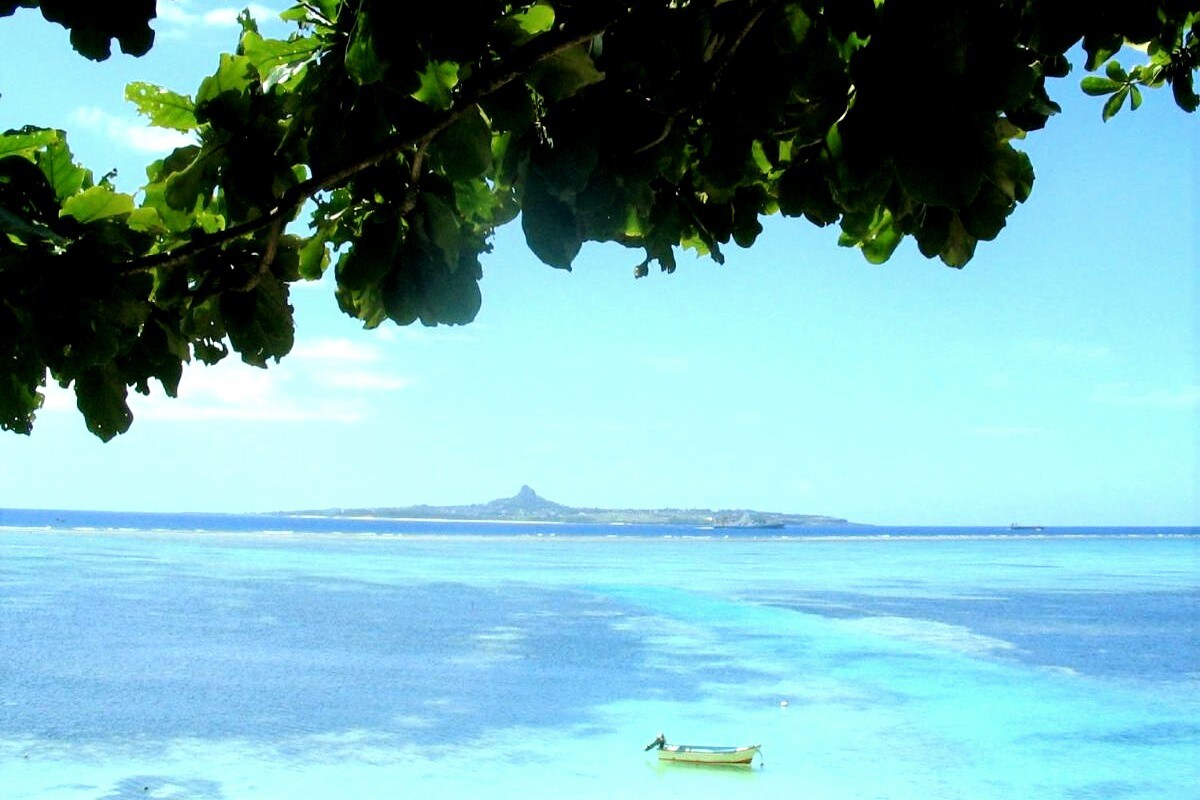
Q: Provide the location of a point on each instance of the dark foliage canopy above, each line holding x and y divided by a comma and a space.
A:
388, 140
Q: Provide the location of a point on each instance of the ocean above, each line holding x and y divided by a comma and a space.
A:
206, 657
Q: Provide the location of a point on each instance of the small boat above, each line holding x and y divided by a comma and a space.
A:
705, 754
1015, 527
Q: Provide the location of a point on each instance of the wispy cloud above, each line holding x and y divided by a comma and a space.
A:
228, 391
130, 132
338, 364
179, 13
228, 16
365, 381
1067, 351
324, 380
337, 350
1123, 394
233, 391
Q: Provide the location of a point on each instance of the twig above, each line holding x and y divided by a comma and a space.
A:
268, 257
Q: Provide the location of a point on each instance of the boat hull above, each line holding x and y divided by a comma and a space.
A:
697, 754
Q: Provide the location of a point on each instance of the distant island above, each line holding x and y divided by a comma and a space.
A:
527, 506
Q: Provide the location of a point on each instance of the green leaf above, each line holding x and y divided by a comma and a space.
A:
27, 141
98, 202
1116, 72
798, 21
876, 233
372, 254
1097, 86
363, 63
987, 214
146, 219
279, 61
195, 181
536, 19
100, 396
477, 202
1135, 98
259, 322
1185, 96
26, 231
879, 248
1114, 104
960, 245
164, 108
315, 12
65, 176
1012, 173
234, 74
803, 190
23, 375
25, 189
565, 74
314, 258
551, 228
1100, 48
437, 80
933, 230
441, 229
464, 149
511, 108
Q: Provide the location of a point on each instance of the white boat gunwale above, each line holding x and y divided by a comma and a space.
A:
709, 754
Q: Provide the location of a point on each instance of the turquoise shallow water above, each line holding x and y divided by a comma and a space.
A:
208, 665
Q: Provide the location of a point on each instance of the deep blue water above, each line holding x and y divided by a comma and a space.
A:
275, 657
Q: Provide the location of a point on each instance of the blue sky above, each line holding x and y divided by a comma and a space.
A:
1052, 381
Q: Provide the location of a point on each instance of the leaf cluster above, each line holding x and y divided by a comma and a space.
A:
389, 140
1171, 42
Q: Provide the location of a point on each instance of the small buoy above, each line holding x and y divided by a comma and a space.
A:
783, 703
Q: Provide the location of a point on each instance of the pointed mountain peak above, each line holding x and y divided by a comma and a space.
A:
525, 500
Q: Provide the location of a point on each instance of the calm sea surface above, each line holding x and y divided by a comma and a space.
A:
205, 657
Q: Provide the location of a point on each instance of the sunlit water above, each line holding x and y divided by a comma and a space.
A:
143, 664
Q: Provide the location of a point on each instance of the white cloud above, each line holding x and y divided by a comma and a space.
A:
336, 350
177, 12
1122, 394
334, 354
228, 16
173, 12
130, 132
226, 391
311, 385
234, 391
364, 381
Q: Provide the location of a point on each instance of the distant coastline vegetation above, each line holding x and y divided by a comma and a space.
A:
527, 506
